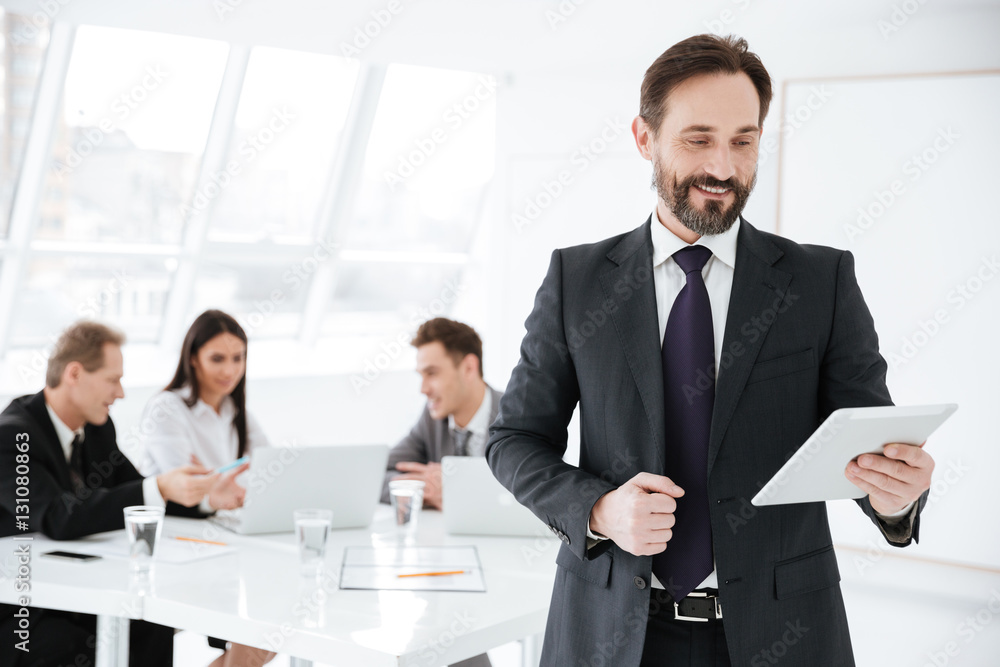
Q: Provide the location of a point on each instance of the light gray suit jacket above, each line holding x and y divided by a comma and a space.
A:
427, 442
799, 343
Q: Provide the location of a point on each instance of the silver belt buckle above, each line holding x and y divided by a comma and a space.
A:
697, 594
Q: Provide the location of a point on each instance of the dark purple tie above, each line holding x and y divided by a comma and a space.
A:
688, 356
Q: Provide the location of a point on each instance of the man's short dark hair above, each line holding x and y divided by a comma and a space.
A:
82, 342
458, 339
701, 54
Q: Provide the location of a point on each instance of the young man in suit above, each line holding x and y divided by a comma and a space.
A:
653, 569
460, 406
78, 483
456, 420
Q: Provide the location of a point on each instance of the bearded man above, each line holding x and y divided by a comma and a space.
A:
702, 353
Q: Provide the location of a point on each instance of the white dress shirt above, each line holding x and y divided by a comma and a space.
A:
150, 490
478, 427
171, 432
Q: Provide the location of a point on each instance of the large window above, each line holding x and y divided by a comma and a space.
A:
22, 50
258, 262
130, 292
307, 194
291, 113
429, 160
126, 150
428, 163
136, 113
265, 297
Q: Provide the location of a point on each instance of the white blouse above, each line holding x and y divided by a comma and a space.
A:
171, 432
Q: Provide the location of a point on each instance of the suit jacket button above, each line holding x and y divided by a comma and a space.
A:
639, 582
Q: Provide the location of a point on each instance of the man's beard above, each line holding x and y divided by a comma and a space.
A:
715, 218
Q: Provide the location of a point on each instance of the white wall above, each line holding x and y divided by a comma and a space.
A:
906, 193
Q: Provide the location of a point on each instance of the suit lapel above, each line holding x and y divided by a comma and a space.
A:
757, 286
51, 447
630, 287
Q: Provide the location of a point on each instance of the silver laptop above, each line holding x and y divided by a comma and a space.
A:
475, 503
346, 479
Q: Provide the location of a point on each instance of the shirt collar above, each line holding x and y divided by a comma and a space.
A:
665, 243
480, 421
63, 432
226, 410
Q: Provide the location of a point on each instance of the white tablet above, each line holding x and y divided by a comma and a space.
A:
816, 471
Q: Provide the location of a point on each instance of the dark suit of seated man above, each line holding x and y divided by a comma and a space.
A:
79, 482
455, 422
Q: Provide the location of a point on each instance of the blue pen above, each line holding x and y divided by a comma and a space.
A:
235, 464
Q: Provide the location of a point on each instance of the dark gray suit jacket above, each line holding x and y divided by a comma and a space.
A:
799, 343
428, 441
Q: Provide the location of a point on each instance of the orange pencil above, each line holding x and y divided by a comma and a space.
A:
194, 539
432, 574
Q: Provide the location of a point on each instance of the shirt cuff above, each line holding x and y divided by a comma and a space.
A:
151, 493
898, 530
896, 517
593, 538
205, 507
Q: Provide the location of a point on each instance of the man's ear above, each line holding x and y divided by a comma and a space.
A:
72, 372
470, 365
644, 139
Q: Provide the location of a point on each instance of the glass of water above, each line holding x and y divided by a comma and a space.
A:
312, 528
142, 525
407, 496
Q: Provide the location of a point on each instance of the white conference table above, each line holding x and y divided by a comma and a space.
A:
257, 596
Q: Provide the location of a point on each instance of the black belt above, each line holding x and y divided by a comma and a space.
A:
698, 606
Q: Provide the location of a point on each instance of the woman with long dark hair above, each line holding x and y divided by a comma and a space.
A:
201, 416
202, 411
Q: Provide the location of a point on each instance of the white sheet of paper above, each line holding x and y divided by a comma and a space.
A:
378, 568
168, 549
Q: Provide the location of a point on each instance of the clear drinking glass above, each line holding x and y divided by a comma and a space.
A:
312, 527
407, 497
143, 525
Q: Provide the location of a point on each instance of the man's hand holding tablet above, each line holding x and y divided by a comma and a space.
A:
894, 479
859, 451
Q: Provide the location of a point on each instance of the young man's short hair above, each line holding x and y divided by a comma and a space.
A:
458, 339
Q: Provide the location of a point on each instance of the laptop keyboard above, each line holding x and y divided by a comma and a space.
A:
228, 519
